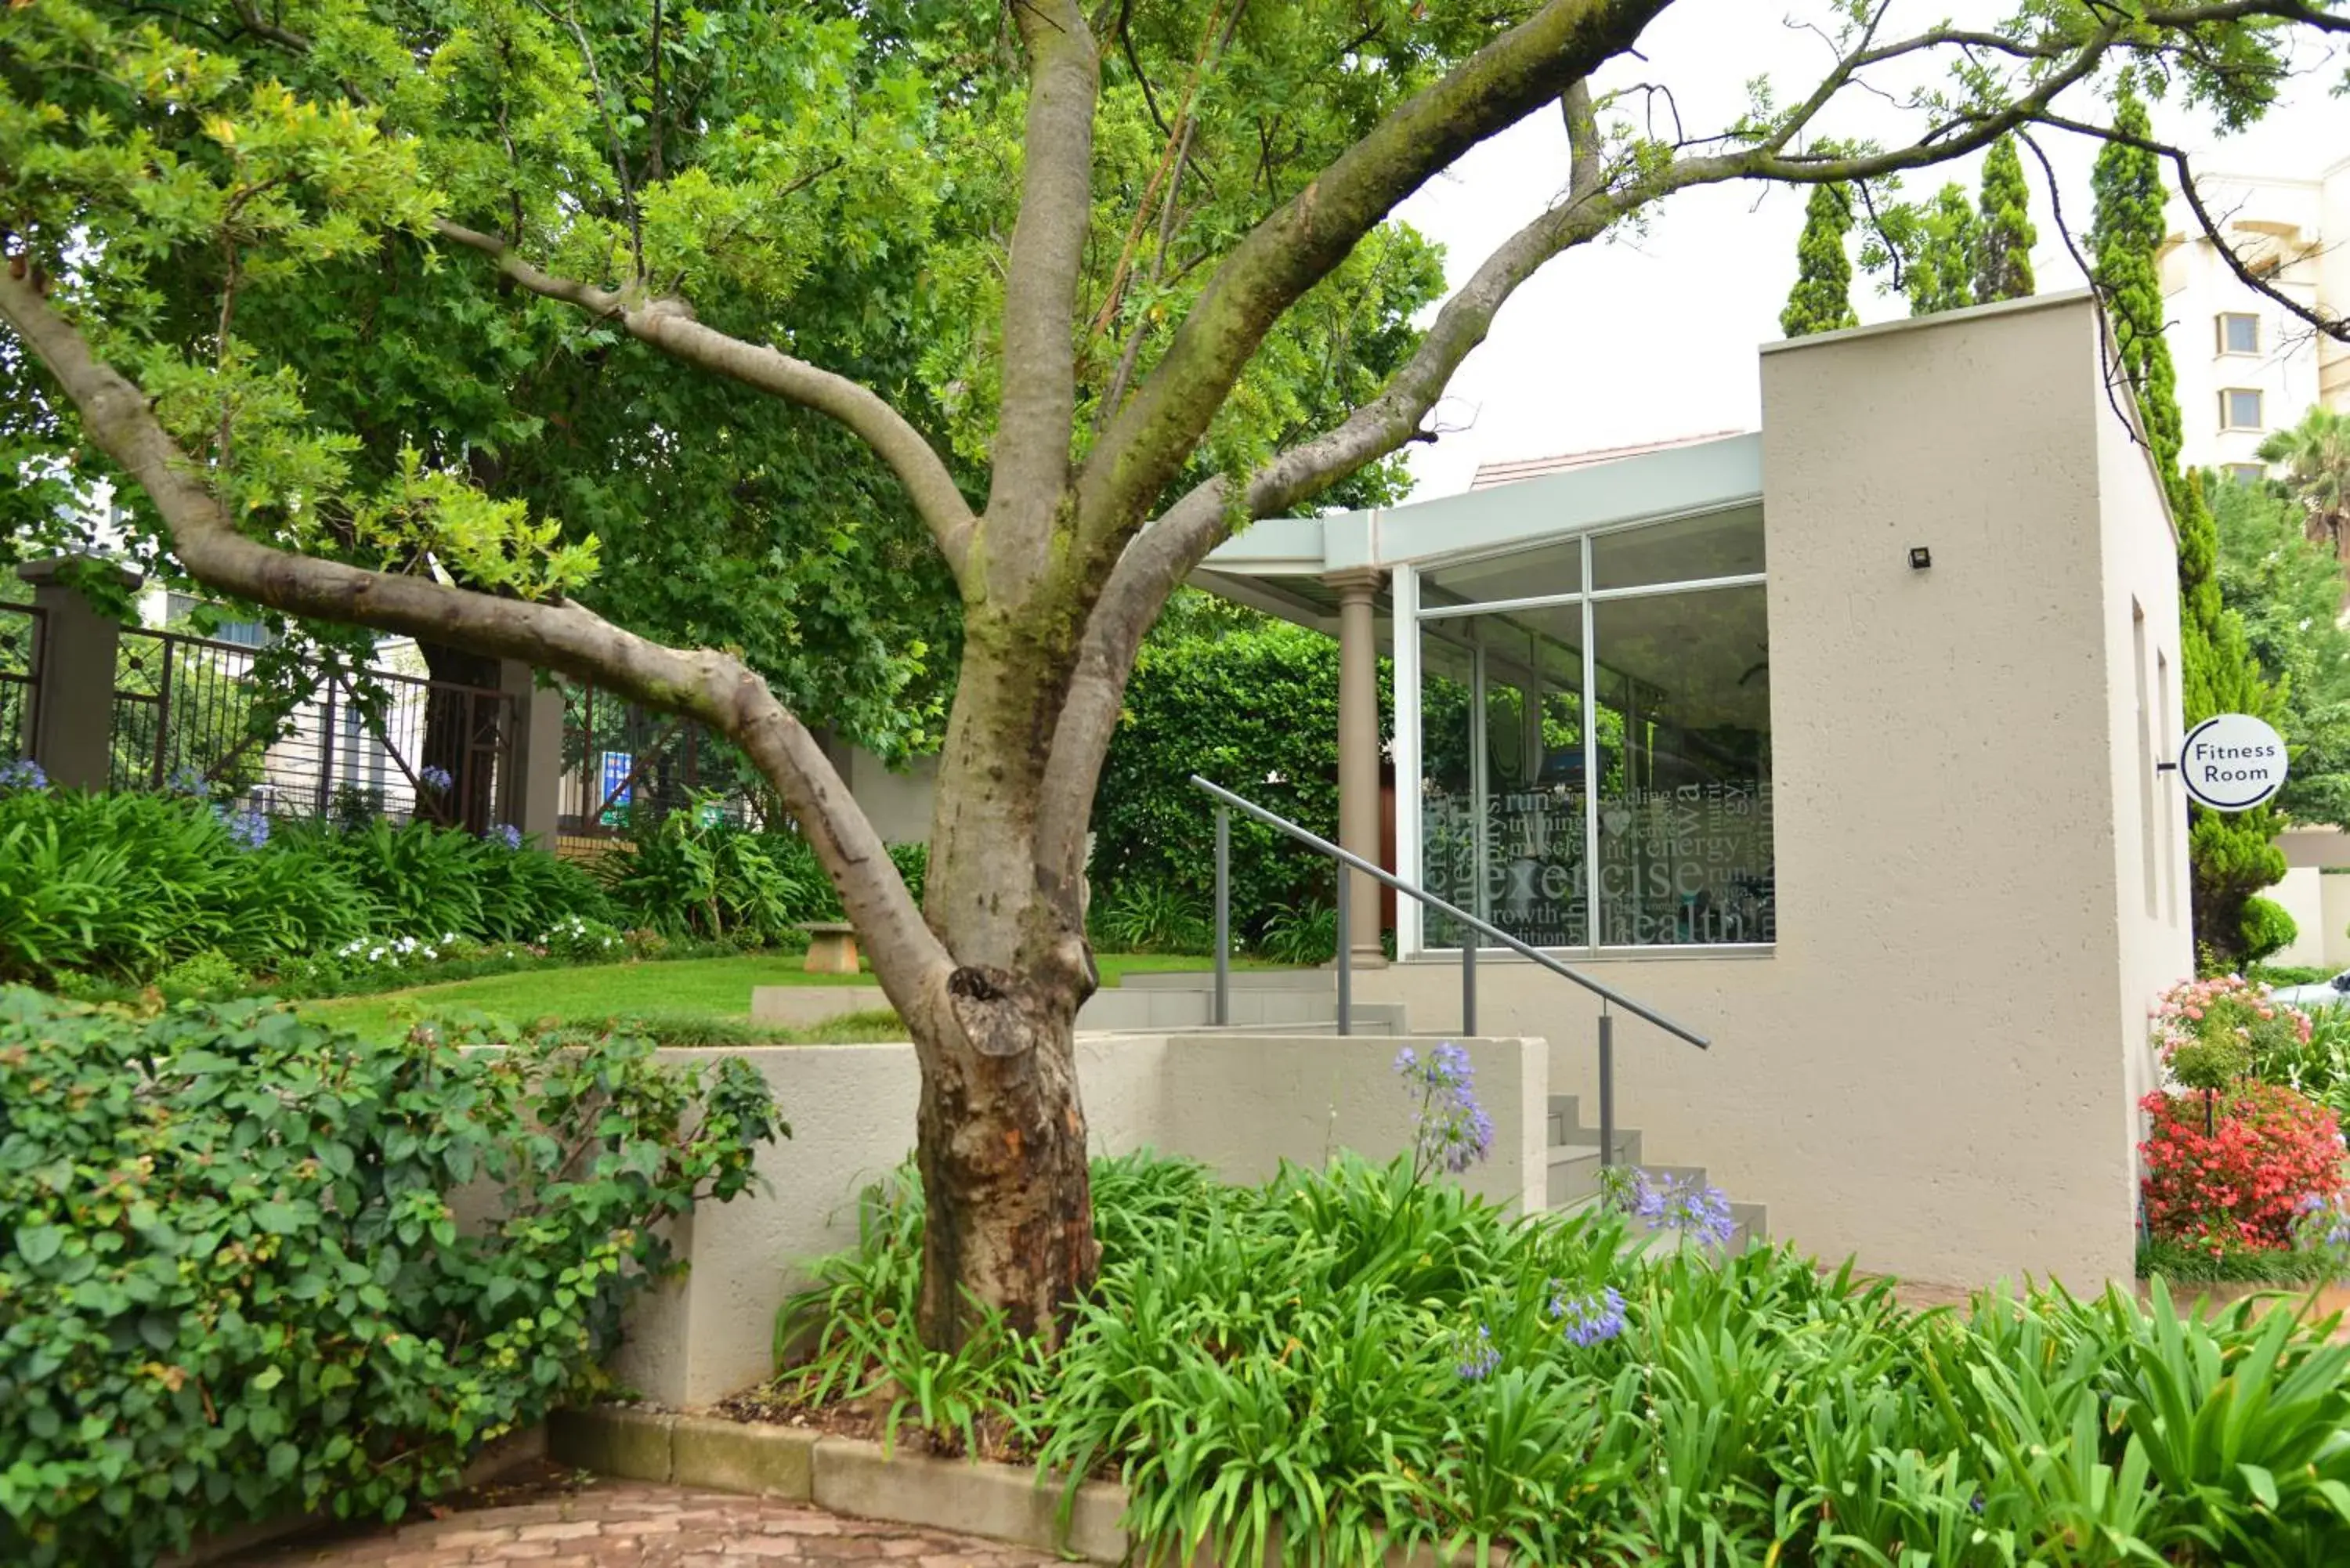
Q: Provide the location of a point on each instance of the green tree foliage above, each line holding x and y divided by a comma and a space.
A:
1941, 259
1821, 300
2316, 458
2231, 853
2286, 588
2004, 232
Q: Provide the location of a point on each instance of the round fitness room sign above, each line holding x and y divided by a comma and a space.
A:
2231, 761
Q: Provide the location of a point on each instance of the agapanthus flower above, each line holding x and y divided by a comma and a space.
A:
1451, 1131
1480, 1357
23, 773
1683, 1206
505, 833
1588, 1317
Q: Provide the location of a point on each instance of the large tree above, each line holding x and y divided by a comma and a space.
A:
1821, 299
2004, 232
2286, 589
1122, 233
2233, 853
2315, 454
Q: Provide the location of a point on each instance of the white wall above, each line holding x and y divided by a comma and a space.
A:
1241, 1105
1935, 1068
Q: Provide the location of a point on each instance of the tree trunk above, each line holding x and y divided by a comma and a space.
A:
1001, 1149
1002, 1128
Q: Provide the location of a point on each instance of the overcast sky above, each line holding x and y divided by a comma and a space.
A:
1648, 337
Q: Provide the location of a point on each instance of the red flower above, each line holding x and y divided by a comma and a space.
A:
2243, 1181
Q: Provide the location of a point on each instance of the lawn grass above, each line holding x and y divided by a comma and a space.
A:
672, 992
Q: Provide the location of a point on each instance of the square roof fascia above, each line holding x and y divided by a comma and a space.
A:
1706, 476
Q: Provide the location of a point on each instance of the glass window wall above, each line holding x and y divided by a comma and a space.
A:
1670, 654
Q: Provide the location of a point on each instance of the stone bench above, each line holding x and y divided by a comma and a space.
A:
832, 948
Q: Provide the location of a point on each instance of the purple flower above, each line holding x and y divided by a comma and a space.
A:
1684, 1206
1480, 1358
250, 829
189, 779
434, 779
1451, 1131
1588, 1317
24, 774
505, 833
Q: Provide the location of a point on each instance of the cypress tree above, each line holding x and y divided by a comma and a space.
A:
1821, 300
2003, 231
2232, 854
1940, 275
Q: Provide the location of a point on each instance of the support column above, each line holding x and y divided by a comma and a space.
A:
1358, 749
530, 791
73, 716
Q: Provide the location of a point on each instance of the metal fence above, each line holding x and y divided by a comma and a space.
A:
626, 767
21, 628
191, 709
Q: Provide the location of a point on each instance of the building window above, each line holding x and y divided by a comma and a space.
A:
1667, 792
2247, 473
2239, 409
2239, 332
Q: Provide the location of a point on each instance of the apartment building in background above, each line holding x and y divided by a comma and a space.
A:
2248, 367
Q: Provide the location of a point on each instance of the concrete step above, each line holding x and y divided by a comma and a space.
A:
1573, 1177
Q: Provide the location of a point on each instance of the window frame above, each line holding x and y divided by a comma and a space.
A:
2227, 395
2221, 323
1411, 613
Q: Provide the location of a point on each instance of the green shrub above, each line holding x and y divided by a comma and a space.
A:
1150, 916
695, 874
1345, 1355
235, 1287
2267, 928
207, 976
1300, 934
120, 887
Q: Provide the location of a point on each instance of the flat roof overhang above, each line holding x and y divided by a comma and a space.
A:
1277, 566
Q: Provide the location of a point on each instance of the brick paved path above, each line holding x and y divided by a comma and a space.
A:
625, 1524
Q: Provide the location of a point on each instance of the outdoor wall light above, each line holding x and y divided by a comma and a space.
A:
1921, 557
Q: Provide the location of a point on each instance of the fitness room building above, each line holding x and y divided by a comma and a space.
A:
1868, 795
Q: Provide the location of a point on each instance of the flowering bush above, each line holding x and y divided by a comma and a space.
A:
2210, 1031
575, 936
24, 774
2247, 1182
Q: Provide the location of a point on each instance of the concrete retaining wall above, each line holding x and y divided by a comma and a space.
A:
1241, 1103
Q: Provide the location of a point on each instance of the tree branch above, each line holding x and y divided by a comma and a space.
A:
2336, 327
668, 324
1300, 241
712, 687
1037, 409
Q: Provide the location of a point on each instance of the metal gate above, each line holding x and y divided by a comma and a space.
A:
21, 629
190, 712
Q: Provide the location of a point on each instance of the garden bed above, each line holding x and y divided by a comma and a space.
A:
1361, 1357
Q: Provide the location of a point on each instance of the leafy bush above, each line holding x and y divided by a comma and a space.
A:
236, 1286
2267, 928
695, 874
1149, 916
206, 976
2209, 1033
2230, 1170
121, 887
1300, 934
1251, 703
1345, 1355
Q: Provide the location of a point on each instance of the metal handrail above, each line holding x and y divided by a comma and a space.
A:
1227, 803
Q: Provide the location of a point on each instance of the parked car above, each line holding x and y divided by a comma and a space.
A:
2332, 992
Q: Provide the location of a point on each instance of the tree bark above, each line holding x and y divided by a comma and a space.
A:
1001, 1144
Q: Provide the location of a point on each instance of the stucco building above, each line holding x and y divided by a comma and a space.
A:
1839, 743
